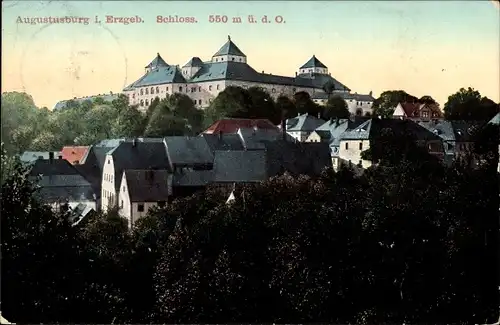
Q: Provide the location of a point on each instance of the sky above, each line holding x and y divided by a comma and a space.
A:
423, 47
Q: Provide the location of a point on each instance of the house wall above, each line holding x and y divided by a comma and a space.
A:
313, 137
353, 106
108, 192
350, 151
299, 135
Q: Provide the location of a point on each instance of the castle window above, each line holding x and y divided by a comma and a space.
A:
180, 89
193, 89
142, 102
152, 90
166, 89
346, 146
199, 89
361, 146
142, 92
210, 87
147, 91
147, 102
157, 90
217, 87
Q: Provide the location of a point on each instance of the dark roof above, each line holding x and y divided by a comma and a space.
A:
194, 62
147, 185
318, 80
345, 95
313, 63
161, 75
51, 194
465, 131
401, 127
157, 62
196, 178
188, 151
48, 167
139, 155
255, 138
240, 166
231, 125
229, 49
223, 141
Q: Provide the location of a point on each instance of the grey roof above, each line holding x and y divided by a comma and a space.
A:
324, 135
194, 62
495, 119
223, 141
345, 96
229, 49
193, 178
240, 166
52, 194
188, 151
139, 155
80, 213
361, 132
443, 129
48, 167
157, 62
313, 63
161, 75
253, 139
106, 97
147, 185
31, 156
304, 122
63, 180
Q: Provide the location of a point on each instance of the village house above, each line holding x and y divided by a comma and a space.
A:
60, 183
74, 154
302, 126
357, 104
417, 112
141, 190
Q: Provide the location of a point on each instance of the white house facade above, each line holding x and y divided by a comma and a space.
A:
203, 81
108, 191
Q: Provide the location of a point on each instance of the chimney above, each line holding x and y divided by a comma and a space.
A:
337, 121
295, 73
51, 157
220, 135
371, 93
283, 129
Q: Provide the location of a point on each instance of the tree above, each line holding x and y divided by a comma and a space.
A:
120, 103
263, 106
164, 123
305, 104
46, 141
287, 107
97, 124
232, 102
130, 123
183, 107
336, 107
329, 87
427, 100
384, 105
467, 104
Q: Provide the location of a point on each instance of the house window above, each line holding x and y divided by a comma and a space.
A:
346, 146
140, 208
217, 87
142, 92
123, 188
147, 91
216, 60
157, 90
180, 89
232, 59
361, 146
109, 161
425, 114
199, 102
133, 95
121, 204
210, 87
142, 102
161, 204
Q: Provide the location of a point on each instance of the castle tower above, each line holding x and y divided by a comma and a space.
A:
229, 52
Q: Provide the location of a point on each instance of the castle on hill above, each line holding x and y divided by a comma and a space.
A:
203, 81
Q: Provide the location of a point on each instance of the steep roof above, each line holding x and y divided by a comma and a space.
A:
231, 125
56, 166
254, 139
229, 49
304, 122
157, 62
147, 185
240, 166
495, 119
444, 129
74, 154
313, 63
194, 62
188, 151
223, 141
194, 178
161, 75
138, 155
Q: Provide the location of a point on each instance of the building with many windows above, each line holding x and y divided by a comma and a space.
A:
203, 81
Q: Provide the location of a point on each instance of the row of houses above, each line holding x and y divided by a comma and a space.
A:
134, 175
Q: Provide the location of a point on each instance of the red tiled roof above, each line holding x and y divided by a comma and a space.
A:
410, 108
74, 154
231, 125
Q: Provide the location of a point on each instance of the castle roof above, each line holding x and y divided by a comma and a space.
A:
194, 62
313, 63
157, 62
229, 49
